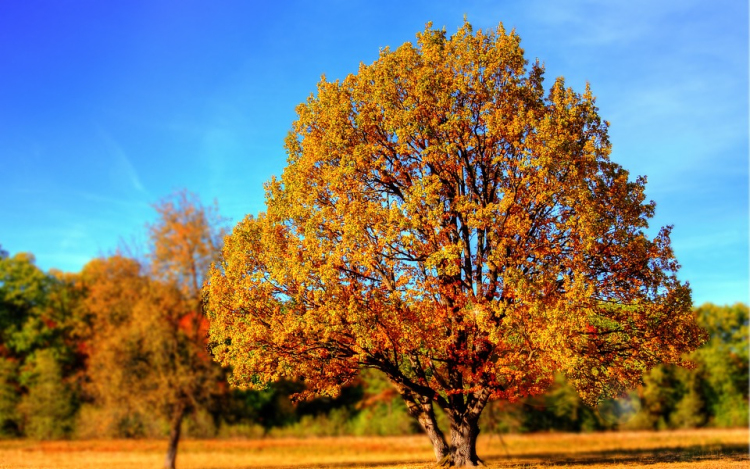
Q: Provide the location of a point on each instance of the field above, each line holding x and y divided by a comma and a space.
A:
677, 449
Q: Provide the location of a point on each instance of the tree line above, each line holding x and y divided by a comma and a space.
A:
449, 241
119, 350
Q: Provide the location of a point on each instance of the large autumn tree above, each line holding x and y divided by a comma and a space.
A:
446, 221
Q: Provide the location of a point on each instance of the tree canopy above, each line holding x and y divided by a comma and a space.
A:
148, 340
447, 221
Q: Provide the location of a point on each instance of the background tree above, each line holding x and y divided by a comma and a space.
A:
185, 240
715, 392
48, 409
560, 408
121, 376
24, 290
723, 363
444, 221
148, 348
657, 398
41, 367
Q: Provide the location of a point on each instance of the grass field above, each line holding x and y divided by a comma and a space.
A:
677, 449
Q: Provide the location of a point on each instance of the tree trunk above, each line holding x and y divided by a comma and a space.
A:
174, 438
463, 449
425, 415
429, 424
464, 417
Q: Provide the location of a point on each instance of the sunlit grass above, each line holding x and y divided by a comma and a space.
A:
680, 449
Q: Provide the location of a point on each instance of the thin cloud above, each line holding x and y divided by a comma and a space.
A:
710, 241
604, 23
123, 203
123, 166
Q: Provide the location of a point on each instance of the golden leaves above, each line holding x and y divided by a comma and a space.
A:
445, 221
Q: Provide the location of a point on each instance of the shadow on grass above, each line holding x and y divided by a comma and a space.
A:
696, 453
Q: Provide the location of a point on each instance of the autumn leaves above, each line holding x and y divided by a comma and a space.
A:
445, 221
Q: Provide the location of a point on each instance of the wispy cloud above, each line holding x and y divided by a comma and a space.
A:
596, 23
123, 167
100, 199
711, 241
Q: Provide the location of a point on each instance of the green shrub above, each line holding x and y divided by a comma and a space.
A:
9, 398
48, 410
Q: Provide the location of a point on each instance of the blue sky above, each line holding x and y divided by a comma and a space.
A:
107, 107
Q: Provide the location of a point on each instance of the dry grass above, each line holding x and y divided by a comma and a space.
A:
681, 449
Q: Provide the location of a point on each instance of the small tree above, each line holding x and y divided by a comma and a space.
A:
724, 362
444, 221
24, 298
185, 240
123, 378
48, 409
148, 347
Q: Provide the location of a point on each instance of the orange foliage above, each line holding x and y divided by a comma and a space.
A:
444, 220
148, 339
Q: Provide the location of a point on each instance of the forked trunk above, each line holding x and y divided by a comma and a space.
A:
464, 417
462, 451
174, 438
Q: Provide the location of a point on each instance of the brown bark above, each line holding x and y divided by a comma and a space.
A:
465, 430
174, 438
463, 412
422, 410
463, 448
428, 422
462, 451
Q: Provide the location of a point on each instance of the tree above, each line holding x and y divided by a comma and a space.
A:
49, 407
148, 349
724, 363
9, 398
185, 240
714, 392
24, 291
443, 220
120, 369
38, 352
657, 399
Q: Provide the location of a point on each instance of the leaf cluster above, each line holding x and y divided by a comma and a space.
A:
447, 221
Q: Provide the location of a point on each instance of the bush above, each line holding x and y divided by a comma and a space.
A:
334, 423
240, 430
49, 408
199, 424
9, 399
